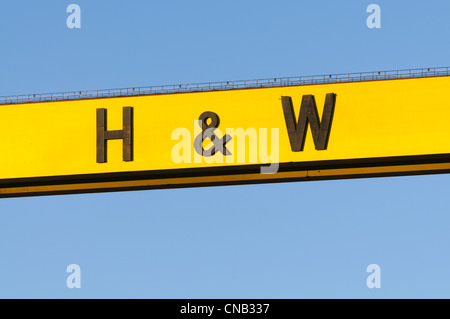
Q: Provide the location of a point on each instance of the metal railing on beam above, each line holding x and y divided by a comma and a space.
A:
227, 85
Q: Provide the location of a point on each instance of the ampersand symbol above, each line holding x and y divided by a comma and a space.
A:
208, 133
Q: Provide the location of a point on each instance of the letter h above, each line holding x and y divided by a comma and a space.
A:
126, 135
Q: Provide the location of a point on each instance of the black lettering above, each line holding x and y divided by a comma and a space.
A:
126, 134
208, 133
308, 114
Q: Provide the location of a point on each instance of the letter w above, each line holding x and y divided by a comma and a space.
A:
308, 114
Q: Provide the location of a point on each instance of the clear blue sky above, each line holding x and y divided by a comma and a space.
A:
253, 243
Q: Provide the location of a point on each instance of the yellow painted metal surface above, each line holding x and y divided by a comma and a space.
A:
389, 118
